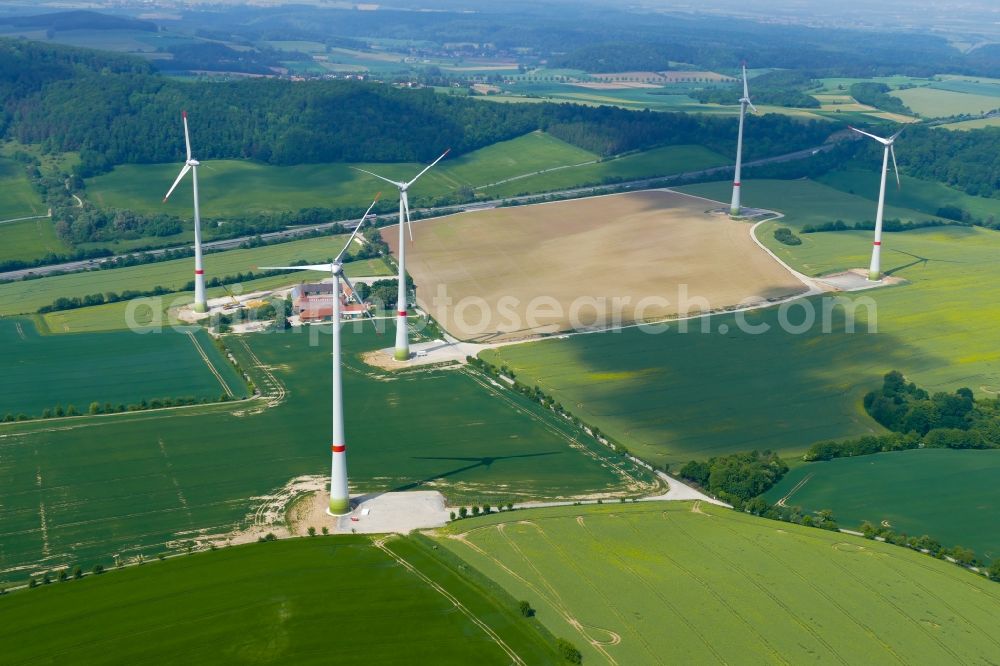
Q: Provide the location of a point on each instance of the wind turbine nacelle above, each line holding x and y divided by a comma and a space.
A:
193, 163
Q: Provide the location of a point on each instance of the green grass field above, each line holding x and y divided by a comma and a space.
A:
843, 85
932, 102
663, 161
27, 296
17, 198
951, 495
667, 583
155, 481
920, 195
974, 124
24, 239
810, 202
533, 163
676, 396
41, 371
27, 240
232, 187
295, 601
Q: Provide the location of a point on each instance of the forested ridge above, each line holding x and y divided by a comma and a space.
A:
118, 110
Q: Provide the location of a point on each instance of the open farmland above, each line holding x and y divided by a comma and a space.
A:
691, 584
932, 102
27, 240
950, 495
917, 194
232, 187
979, 123
275, 608
558, 266
535, 162
91, 487
663, 161
787, 387
27, 296
42, 371
17, 198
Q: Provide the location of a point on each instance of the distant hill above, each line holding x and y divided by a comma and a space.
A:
116, 109
78, 20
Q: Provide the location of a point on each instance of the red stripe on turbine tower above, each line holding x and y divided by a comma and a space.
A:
736, 183
338, 449
199, 272
878, 242
402, 313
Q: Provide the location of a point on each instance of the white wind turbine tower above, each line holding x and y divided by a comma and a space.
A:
402, 335
191, 164
734, 208
340, 499
874, 272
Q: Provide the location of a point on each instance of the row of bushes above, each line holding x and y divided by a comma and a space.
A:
536, 394
824, 519
476, 510
893, 225
109, 408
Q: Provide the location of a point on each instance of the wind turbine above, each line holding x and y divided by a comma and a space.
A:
340, 499
191, 164
874, 273
734, 208
402, 336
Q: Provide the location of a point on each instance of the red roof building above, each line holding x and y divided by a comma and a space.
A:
312, 302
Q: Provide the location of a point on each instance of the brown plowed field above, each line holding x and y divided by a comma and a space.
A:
522, 271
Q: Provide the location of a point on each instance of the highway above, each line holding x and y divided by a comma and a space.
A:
349, 225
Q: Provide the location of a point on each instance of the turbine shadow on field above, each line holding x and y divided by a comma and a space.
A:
485, 461
918, 260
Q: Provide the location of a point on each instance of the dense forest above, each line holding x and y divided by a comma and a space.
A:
120, 111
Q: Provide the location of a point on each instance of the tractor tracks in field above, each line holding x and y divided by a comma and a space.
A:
208, 362
277, 391
543, 589
515, 658
796, 488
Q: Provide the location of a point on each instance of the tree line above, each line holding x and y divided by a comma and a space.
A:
917, 420
737, 477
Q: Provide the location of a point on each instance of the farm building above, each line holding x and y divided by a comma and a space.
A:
311, 302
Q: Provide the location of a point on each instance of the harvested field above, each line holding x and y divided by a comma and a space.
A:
600, 262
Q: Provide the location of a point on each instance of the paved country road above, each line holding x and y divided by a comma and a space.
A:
288, 234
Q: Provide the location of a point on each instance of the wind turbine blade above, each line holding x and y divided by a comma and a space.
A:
752, 107
187, 167
872, 136
187, 137
379, 177
357, 297
406, 209
892, 151
357, 228
311, 267
746, 89
428, 167
896, 135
